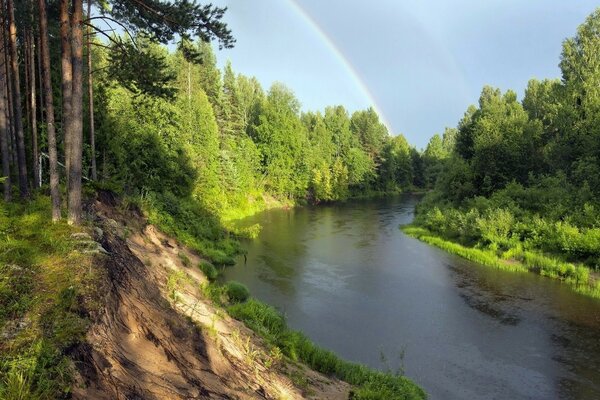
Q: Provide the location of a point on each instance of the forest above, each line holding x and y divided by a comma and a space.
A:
166, 127
518, 182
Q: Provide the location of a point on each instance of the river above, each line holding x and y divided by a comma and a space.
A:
347, 277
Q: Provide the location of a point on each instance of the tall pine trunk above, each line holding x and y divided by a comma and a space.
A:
67, 82
75, 170
33, 108
91, 95
47, 81
16, 91
4, 117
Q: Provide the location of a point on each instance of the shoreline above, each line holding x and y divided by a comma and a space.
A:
579, 278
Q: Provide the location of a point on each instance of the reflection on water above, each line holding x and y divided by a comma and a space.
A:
353, 282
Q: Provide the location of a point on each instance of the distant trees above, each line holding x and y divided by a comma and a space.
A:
529, 169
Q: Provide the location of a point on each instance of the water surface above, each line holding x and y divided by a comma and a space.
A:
347, 277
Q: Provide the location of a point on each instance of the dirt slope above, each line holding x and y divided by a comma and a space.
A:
150, 344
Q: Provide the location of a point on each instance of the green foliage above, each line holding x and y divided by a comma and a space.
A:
209, 270
370, 384
523, 179
236, 292
192, 224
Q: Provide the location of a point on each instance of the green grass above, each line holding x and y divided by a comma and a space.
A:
515, 259
44, 286
194, 226
369, 384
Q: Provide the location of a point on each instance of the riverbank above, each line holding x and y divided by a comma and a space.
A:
117, 308
578, 277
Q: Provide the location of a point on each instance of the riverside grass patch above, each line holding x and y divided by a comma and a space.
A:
369, 384
516, 260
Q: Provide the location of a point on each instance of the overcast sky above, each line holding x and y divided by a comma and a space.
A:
423, 62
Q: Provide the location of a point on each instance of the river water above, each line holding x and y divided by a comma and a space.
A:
347, 277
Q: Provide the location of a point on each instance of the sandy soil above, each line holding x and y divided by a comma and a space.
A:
158, 337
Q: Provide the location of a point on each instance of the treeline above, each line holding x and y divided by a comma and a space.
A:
121, 111
518, 177
225, 140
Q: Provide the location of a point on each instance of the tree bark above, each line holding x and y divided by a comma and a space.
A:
91, 95
12, 150
3, 118
52, 153
33, 108
20, 137
75, 170
25, 48
67, 83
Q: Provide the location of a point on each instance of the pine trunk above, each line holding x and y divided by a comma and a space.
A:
67, 82
4, 118
52, 153
91, 95
33, 109
16, 91
12, 150
75, 170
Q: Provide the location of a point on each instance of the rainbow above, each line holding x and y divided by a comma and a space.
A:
342, 59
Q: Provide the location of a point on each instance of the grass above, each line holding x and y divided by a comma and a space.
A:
45, 283
369, 384
576, 277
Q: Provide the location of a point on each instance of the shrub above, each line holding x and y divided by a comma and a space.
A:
236, 292
209, 270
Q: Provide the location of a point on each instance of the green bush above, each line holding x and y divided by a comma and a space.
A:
236, 292
209, 270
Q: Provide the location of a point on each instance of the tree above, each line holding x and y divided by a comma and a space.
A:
4, 151
16, 101
91, 96
76, 151
433, 157
152, 19
49, 102
371, 133
66, 84
281, 139
580, 69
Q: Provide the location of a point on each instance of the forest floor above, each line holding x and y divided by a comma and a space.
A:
157, 336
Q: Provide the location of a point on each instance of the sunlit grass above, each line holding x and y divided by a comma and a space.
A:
369, 384
43, 281
516, 260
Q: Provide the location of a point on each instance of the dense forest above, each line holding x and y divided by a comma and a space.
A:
520, 180
167, 128
171, 123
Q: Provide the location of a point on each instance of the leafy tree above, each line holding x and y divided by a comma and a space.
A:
281, 139
370, 131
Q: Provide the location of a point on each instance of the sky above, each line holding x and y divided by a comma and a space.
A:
418, 63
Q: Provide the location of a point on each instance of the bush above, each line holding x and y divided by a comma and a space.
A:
209, 270
236, 292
